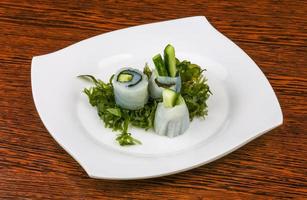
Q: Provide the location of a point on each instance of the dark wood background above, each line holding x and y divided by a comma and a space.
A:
34, 166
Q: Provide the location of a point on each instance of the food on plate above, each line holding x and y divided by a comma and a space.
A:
165, 74
130, 88
172, 115
175, 94
157, 83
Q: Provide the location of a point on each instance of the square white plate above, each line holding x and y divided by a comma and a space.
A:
243, 105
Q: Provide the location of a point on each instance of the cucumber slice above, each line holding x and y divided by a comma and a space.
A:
160, 67
169, 98
170, 60
124, 78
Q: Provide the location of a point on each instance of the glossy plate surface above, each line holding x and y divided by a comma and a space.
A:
243, 105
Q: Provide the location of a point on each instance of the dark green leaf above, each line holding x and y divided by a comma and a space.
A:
195, 89
115, 111
88, 77
125, 139
147, 71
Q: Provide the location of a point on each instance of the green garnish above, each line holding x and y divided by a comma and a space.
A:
147, 71
194, 89
179, 100
194, 92
125, 138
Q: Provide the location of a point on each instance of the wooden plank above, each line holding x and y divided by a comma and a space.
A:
34, 166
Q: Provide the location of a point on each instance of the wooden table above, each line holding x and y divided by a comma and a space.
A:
34, 166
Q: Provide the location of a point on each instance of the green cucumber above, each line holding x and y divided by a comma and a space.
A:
124, 77
170, 60
160, 67
169, 98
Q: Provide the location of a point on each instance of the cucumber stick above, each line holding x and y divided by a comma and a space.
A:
170, 60
169, 98
160, 67
124, 78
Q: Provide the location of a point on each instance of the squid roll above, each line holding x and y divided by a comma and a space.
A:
172, 115
130, 88
165, 74
157, 83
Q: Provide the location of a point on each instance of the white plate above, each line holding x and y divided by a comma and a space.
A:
243, 105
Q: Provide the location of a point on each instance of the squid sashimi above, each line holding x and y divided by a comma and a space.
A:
157, 83
165, 75
130, 88
172, 115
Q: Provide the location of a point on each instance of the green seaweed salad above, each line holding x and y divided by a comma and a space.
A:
194, 90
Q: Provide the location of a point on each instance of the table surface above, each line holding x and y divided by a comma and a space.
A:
34, 166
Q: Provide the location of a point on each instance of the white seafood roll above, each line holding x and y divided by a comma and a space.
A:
158, 83
130, 88
171, 121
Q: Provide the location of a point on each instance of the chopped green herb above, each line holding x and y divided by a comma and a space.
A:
125, 139
194, 89
147, 71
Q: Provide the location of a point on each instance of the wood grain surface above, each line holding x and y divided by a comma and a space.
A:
34, 166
